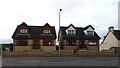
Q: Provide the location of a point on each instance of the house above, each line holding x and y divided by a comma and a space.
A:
28, 38
112, 39
78, 38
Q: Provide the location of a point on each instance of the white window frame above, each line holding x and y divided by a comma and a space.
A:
90, 33
92, 42
46, 31
23, 31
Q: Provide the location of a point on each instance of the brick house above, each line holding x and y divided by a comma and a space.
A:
78, 38
27, 38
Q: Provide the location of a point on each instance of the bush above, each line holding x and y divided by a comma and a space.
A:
3, 48
11, 46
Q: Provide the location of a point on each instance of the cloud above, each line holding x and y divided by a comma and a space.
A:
100, 14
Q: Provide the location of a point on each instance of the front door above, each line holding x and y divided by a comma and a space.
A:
82, 44
36, 44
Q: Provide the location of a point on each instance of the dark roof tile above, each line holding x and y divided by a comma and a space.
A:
79, 33
117, 34
35, 32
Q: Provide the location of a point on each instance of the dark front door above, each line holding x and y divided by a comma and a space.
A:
36, 44
82, 45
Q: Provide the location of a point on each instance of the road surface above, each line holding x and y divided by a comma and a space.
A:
60, 61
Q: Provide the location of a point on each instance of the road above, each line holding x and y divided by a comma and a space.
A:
60, 61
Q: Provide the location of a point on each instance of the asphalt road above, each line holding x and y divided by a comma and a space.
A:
60, 61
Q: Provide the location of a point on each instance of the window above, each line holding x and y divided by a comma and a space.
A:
71, 32
92, 42
71, 43
89, 33
48, 42
23, 31
21, 42
46, 31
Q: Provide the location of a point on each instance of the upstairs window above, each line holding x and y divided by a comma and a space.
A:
46, 31
23, 31
90, 33
71, 32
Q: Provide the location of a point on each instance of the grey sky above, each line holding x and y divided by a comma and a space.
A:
99, 13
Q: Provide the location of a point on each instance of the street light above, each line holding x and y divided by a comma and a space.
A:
59, 28
59, 17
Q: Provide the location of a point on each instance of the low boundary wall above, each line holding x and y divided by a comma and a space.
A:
57, 53
95, 53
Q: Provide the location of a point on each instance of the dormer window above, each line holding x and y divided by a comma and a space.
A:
90, 33
71, 32
46, 31
23, 31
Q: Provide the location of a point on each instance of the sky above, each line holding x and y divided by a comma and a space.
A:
101, 14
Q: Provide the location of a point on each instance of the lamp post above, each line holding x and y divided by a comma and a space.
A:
59, 29
59, 17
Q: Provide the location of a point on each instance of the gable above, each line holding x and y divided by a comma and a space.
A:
89, 29
109, 41
23, 26
70, 28
47, 26
110, 38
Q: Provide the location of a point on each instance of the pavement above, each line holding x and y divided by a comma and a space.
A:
60, 61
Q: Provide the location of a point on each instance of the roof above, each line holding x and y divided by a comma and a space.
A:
117, 34
79, 33
35, 32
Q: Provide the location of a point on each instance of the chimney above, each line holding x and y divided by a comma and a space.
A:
111, 29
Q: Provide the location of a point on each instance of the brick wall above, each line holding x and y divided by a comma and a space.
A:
27, 53
57, 53
48, 49
70, 47
93, 48
23, 48
95, 53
